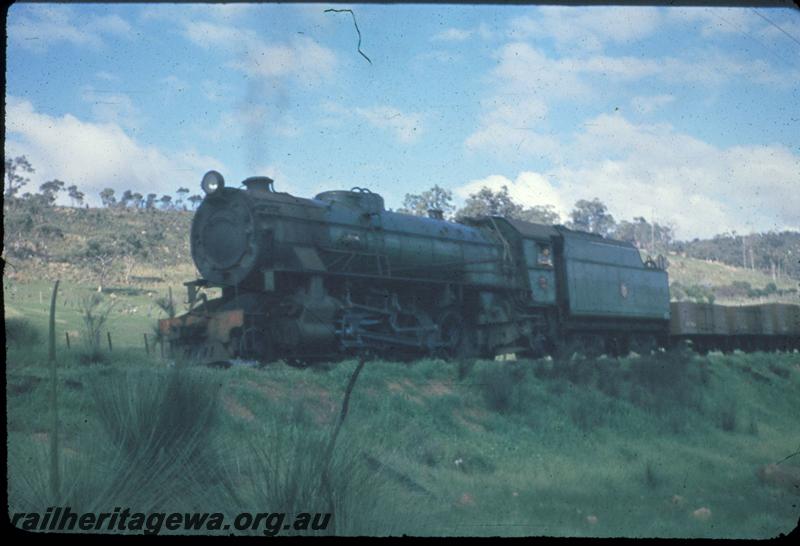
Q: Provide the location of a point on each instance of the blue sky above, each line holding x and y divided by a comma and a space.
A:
690, 116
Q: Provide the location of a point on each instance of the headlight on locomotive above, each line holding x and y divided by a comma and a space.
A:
212, 182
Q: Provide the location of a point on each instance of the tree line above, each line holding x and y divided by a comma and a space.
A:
37, 231
777, 253
587, 215
16, 177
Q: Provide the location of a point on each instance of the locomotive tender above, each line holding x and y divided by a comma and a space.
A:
306, 279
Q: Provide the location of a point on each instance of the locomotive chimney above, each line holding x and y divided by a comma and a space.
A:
259, 183
436, 214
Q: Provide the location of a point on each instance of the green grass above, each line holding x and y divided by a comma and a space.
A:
132, 315
586, 447
424, 452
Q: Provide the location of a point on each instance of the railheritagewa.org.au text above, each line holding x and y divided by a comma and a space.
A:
58, 518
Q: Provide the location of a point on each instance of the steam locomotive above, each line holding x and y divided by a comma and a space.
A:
306, 279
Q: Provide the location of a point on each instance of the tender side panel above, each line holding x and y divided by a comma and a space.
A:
607, 278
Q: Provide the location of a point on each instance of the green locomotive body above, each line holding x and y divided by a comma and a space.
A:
309, 278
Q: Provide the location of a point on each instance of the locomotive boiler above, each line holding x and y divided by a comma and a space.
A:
303, 279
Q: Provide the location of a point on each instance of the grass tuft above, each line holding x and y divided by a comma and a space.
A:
728, 415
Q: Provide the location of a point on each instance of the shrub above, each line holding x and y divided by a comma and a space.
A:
285, 471
153, 450
144, 411
161, 426
498, 386
780, 372
665, 373
585, 412
29, 488
576, 368
21, 333
94, 314
167, 304
464, 367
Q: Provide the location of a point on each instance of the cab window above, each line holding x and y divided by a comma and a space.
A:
545, 255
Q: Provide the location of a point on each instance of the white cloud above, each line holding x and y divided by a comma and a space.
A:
513, 128
96, 155
439, 56
233, 13
215, 90
527, 80
523, 68
301, 58
41, 26
112, 107
453, 35
210, 35
505, 142
529, 189
714, 67
174, 83
406, 127
587, 28
651, 103
252, 119
652, 170
704, 188
485, 31
713, 21
106, 76
110, 24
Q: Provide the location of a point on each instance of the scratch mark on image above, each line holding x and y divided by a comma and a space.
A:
357, 30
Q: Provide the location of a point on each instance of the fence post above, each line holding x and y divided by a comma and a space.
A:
55, 478
110, 347
146, 346
325, 479
66, 335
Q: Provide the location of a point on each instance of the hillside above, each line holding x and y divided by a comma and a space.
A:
106, 245
698, 279
135, 248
